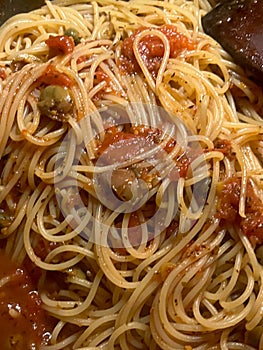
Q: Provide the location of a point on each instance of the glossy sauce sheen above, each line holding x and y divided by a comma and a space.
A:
60, 44
23, 322
119, 146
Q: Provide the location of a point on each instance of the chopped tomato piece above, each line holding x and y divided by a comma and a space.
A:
60, 44
223, 146
24, 324
102, 76
112, 139
252, 224
151, 49
229, 200
52, 76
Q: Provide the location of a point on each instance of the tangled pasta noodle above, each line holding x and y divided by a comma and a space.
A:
131, 176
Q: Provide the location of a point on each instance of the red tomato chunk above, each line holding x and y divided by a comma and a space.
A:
52, 76
23, 322
252, 224
151, 49
60, 44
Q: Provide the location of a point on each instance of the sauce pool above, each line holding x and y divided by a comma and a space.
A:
23, 322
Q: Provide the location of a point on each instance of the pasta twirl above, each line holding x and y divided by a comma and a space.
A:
131, 176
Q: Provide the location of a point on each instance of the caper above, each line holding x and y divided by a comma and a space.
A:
55, 102
74, 34
121, 182
127, 186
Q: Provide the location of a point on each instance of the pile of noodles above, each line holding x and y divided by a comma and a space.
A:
195, 284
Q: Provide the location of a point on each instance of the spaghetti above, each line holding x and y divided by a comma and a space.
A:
131, 176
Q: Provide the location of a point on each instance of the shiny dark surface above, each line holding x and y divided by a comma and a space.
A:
8, 8
238, 26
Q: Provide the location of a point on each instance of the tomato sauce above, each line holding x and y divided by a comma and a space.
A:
119, 146
151, 49
252, 224
2, 73
60, 44
24, 324
52, 76
224, 146
100, 76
